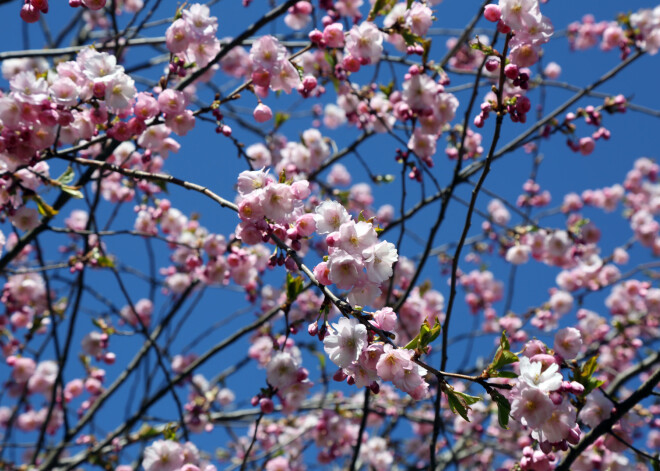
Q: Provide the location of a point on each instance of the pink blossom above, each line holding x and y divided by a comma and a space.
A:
364, 292
568, 342
518, 254
171, 101
597, 409
23, 369
120, 93
419, 18
94, 4
520, 15
345, 341
25, 218
385, 319
345, 269
379, 259
393, 361
531, 373
177, 36
181, 123
259, 154
333, 35
163, 455
365, 42
531, 406
329, 217
282, 370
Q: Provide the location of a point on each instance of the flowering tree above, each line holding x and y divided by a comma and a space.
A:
281, 314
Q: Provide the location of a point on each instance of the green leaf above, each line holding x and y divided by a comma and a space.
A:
504, 356
378, 6
161, 184
281, 118
412, 345
44, 208
67, 176
424, 334
426, 45
105, 262
503, 409
411, 38
505, 374
73, 191
427, 334
387, 90
331, 60
467, 398
590, 366
584, 376
455, 404
169, 432
477, 46
504, 342
294, 286
147, 431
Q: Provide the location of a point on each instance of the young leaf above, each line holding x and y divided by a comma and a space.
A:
505, 374
504, 342
67, 176
170, 431
467, 398
73, 191
455, 404
44, 208
294, 286
378, 6
584, 375
503, 409
281, 118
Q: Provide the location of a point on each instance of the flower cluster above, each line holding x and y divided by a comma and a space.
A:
357, 261
531, 29
192, 38
641, 29
540, 402
271, 67
346, 343
168, 455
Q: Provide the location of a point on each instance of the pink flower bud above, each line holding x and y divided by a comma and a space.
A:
492, 65
502, 28
29, 13
492, 13
316, 36
309, 82
109, 358
587, 145
94, 4
339, 376
511, 71
351, 64
266, 405
313, 329
262, 113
